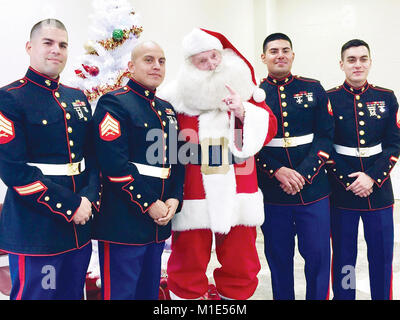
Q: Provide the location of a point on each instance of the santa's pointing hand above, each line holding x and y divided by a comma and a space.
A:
234, 103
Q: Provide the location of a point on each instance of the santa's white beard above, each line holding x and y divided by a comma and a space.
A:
201, 91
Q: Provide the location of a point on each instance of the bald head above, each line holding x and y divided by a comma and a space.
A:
147, 65
144, 46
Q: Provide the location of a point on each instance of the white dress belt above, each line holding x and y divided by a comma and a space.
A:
68, 169
291, 141
153, 171
358, 152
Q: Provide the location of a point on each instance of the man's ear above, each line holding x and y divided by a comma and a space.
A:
131, 67
28, 47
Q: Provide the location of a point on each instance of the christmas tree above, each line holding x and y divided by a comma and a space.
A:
113, 33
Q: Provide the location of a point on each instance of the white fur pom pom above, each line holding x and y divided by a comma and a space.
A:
259, 95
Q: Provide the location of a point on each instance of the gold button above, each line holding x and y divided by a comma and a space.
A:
362, 132
164, 123
139, 196
165, 147
165, 135
22, 81
309, 176
44, 122
285, 114
271, 171
85, 118
285, 124
153, 104
48, 83
146, 125
362, 123
265, 165
68, 116
57, 94
47, 199
147, 93
385, 173
315, 169
71, 143
284, 104
69, 212
287, 134
131, 188
357, 97
72, 155
306, 106
125, 88
334, 170
341, 177
165, 159
319, 161
58, 205
379, 180
360, 105
159, 113
63, 104
282, 88
361, 113
283, 96
69, 129
145, 204
340, 117
347, 184
362, 141
378, 116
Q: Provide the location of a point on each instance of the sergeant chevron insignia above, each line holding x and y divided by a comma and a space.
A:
109, 128
7, 132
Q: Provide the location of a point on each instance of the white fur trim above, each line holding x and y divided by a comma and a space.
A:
259, 95
247, 209
255, 130
199, 41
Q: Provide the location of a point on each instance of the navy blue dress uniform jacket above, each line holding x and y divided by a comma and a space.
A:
364, 117
301, 107
44, 122
133, 126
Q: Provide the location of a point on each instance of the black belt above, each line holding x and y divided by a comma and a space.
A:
194, 155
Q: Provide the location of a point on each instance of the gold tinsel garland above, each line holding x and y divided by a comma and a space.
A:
97, 92
111, 44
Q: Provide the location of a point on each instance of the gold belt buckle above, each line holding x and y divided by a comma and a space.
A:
363, 152
165, 173
288, 142
205, 167
73, 168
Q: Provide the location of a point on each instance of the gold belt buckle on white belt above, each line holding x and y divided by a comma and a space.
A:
363, 152
288, 142
165, 173
73, 169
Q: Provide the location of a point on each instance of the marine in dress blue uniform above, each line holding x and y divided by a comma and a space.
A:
367, 139
303, 143
134, 133
47, 162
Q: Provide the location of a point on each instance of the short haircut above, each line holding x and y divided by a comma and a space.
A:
47, 22
354, 43
276, 36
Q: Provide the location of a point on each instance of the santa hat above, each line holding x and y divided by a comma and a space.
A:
200, 40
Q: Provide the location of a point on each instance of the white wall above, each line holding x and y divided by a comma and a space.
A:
318, 28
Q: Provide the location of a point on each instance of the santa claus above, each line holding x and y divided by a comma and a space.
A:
224, 120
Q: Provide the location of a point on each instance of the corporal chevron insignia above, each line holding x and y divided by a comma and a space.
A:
7, 132
110, 129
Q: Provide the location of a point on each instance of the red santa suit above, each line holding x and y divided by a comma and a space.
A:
223, 200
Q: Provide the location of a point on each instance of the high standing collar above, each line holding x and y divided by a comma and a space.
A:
280, 82
42, 80
355, 90
141, 90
